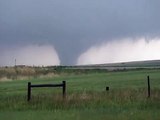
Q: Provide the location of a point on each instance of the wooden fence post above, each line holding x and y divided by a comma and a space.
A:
29, 91
64, 88
107, 88
62, 85
149, 92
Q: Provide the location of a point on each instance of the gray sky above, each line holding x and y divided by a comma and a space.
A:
74, 26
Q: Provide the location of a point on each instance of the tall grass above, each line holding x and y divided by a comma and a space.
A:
86, 97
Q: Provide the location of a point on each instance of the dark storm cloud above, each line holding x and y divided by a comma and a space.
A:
72, 26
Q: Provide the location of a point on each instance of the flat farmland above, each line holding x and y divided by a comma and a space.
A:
86, 97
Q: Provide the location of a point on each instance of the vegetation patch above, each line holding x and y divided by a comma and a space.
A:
86, 97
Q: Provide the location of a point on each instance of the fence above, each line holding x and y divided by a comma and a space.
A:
30, 86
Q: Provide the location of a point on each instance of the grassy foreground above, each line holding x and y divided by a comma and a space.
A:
86, 97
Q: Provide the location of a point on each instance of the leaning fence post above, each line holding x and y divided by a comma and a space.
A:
64, 88
149, 92
29, 91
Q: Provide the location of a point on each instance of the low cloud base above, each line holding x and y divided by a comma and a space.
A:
37, 55
121, 51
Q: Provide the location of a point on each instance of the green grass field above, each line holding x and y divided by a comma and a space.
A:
86, 97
